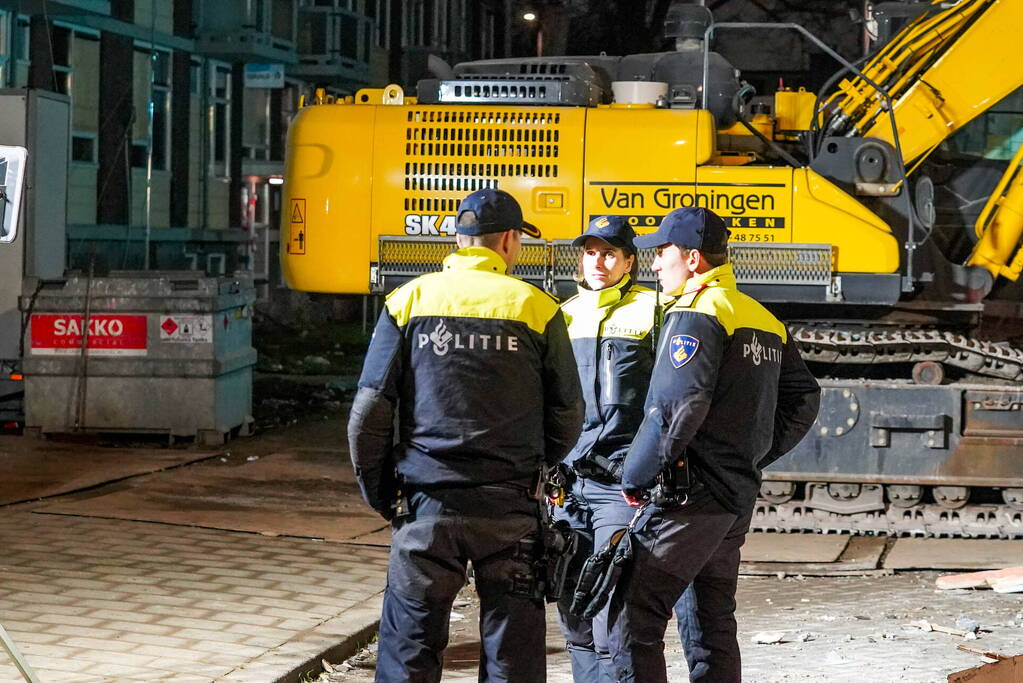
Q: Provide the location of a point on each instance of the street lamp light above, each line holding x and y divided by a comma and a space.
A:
529, 16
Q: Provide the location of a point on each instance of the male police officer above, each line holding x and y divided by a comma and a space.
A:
479, 367
729, 394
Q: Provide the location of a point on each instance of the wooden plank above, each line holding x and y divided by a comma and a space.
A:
983, 579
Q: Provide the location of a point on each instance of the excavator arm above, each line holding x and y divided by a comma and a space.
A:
1000, 225
929, 71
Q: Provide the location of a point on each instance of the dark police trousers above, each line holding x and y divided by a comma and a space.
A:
596, 510
697, 544
429, 551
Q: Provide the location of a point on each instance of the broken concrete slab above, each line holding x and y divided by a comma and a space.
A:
773, 547
984, 579
859, 558
41, 469
954, 553
304, 492
1005, 671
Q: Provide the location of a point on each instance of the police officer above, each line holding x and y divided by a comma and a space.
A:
729, 394
611, 322
479, 368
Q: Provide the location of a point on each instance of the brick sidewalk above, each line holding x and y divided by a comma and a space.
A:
90, 600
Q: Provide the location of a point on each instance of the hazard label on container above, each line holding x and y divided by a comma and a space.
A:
109, 335
190, 329
297, 236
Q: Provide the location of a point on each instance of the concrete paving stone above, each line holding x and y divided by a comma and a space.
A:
252, 582
235, 618
116, 643
21, 587
264, 631
34, 650
66, 620
278, 603
298, 624
193, 668
29, 637
233, 607
52, 675
258, 592
227, 572
123, 615
186, 622
179, 610
113, 605
135, 627
287, 613
173, 575
16, 626
89, 584
82, 631
202, 597
259, 568
238, 650
174, 653
122, 658
38, 597
204, 634
166, 600
120, 672
16, 612
265, 642
211, 588
119, 595
158, 640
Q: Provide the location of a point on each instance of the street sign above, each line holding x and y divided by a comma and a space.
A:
264, 75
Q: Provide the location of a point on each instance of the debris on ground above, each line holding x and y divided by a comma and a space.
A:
769, 637
1009, 580
987, 657
964, 623
925, 625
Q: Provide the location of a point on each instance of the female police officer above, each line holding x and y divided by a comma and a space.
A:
610, 322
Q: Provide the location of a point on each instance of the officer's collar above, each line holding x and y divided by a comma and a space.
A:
608, 295
475, 258
722, 276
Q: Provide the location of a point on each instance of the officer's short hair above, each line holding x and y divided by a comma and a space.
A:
489, 240
713, 260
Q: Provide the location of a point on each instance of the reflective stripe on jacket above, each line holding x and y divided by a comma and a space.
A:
481, 367
729, 389
611, 337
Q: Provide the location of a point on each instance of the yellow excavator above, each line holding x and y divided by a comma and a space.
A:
908, 308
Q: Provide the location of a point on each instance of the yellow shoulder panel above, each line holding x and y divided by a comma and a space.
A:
733, 310
472, 294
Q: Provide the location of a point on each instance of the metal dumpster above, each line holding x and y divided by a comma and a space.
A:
167, 352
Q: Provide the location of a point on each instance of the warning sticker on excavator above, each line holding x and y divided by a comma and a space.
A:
297, 236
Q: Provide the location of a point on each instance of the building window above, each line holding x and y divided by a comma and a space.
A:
282, 19
20, 50
83, 148
256, 124
76, 74
152, 106
220, 119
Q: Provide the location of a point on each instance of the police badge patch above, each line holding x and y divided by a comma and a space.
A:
682, 348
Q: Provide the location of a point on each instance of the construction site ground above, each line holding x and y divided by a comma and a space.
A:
257, 561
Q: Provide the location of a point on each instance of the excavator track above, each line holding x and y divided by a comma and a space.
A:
922, 520
938, 504
865, 345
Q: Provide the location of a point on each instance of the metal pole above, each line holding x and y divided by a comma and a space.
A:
149, 132
19, 660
